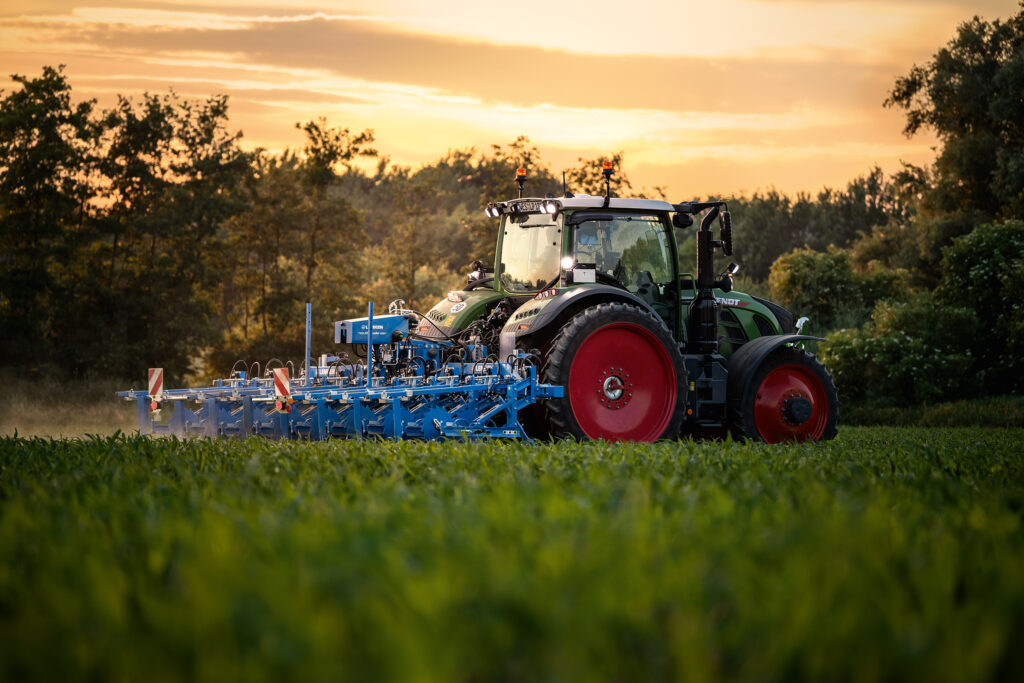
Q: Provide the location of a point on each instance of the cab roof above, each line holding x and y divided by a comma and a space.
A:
586, 201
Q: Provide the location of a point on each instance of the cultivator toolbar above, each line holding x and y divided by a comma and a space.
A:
407, 388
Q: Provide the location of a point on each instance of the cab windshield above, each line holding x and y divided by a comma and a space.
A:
531, 245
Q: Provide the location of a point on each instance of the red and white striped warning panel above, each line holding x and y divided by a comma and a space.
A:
282, 388
156, 382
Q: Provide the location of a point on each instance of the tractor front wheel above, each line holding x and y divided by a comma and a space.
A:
791, 397
623, 375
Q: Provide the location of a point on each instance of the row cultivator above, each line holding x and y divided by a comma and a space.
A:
407, 388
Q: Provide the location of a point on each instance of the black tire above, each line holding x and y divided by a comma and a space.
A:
623, 375
791, 397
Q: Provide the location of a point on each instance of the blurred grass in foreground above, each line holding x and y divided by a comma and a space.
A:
886, 554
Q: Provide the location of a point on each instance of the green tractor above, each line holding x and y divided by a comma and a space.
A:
590, 285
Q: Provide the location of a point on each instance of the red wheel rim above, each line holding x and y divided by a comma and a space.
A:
781, 386
622, 384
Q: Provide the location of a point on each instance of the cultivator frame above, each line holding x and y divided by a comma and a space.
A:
469, 398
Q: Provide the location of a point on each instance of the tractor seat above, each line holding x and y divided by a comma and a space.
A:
646, 288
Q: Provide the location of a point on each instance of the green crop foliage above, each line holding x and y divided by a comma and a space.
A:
885, 554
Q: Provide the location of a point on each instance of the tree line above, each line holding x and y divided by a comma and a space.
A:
146, 235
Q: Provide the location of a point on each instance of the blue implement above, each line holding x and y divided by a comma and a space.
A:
411, 395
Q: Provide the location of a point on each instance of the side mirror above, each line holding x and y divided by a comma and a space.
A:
682, 220
725, 222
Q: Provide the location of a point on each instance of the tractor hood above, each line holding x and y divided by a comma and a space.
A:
456, 311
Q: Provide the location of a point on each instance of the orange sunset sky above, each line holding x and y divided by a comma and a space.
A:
720, 96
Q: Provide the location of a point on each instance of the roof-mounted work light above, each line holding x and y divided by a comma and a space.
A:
550, 207
495, 209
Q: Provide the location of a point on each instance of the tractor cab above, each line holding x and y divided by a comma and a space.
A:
620, 249
628, 247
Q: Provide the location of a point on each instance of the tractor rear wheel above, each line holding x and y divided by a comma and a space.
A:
623, 375
791, 397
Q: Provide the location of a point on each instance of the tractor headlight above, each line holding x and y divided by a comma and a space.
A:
549, 207
568, 262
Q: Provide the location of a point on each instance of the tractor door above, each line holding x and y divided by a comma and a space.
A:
633, 251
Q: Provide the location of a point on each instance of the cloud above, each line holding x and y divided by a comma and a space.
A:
810, 111
501, 74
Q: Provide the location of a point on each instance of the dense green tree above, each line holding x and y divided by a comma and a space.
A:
762, 226
824, 286
493, 176
330, 222
454, 199
299, 240
909, 353
175, 171
588, 177
768, 224
418, 241
112, 227
262, 288
983, 271
969, 95
47, 146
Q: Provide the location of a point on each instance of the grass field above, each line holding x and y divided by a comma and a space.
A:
886, 554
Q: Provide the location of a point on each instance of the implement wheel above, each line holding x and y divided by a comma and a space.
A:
623, 376
791, 398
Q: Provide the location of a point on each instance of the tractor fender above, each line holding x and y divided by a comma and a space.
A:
743, 363
560, 309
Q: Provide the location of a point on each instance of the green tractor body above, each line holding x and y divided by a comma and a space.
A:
591, 285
